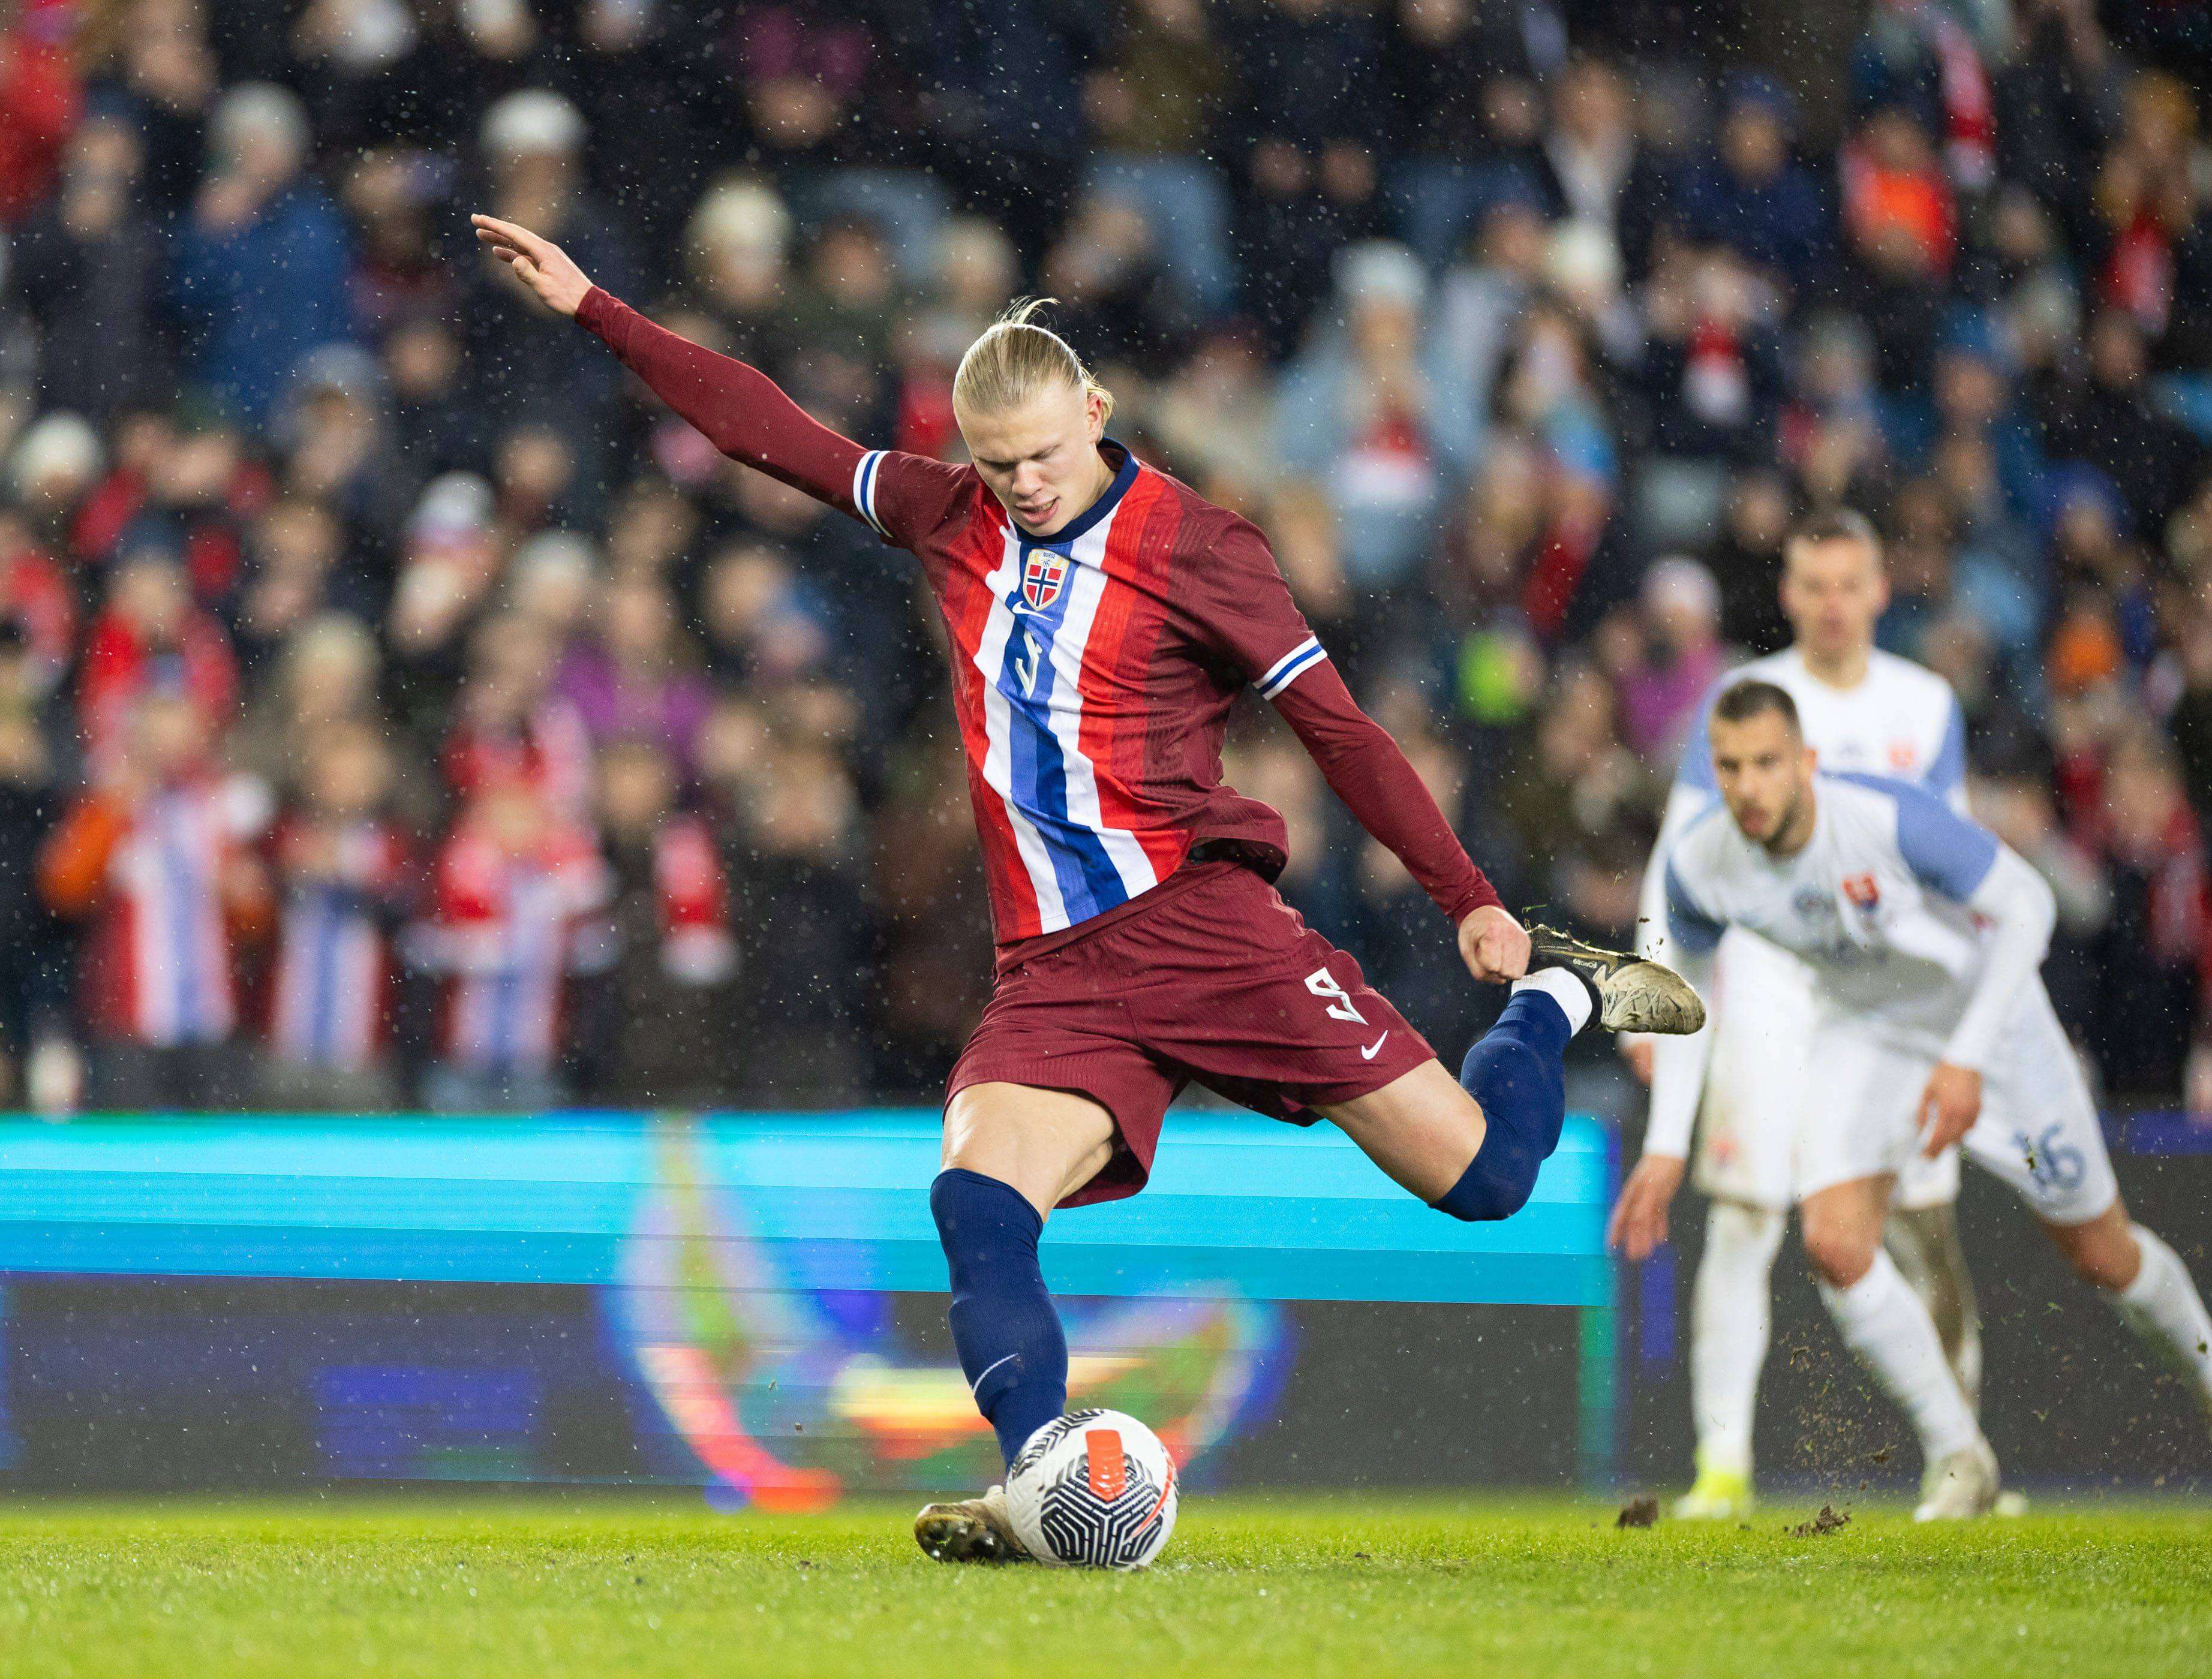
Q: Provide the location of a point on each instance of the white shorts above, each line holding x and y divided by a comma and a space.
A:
1758, 1084
2038, 1128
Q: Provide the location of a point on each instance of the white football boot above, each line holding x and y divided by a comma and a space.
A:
1960, 1487
970, 1529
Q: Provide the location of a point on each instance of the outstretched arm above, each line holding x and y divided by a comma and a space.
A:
736, 407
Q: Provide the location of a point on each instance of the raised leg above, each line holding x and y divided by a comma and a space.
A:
1472, 1147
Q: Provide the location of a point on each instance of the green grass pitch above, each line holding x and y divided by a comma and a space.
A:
1350, 1585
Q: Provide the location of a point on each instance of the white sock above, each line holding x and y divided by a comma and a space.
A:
1564, 989
1885, 1324
1924, 1243
2163, 1308
1730, 1310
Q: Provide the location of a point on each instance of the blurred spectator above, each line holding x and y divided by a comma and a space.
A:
156, 858
630, 679
37, 612
664, 1006
88, 265
342, 875
294, 573
261, 267
804, 931
2152, 950
33, 981
1004, 146
39, 101
1153, 106
150, 638
1305, 133
515, 888
1353, 416
737, 251
1712, 387
1672, 660
1604, 177
512, 724
1747, 563
322, 677
1752, 196
1480, 301
1579, 805
527, 367
1467, 75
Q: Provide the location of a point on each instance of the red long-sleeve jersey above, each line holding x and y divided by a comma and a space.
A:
1093, 670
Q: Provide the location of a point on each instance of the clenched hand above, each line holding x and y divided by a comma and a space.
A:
1494, 945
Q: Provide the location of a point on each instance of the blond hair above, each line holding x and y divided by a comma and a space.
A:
1015, 359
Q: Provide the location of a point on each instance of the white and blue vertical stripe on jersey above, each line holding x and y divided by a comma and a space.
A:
1031, 656
865, 477
1289, 668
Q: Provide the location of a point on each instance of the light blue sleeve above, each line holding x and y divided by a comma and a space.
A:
1695, 767
1946, 853
1946, 776
1693, 929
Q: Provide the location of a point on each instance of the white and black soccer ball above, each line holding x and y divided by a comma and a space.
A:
1093, 1490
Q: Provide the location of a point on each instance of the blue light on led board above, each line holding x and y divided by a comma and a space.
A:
837, 1199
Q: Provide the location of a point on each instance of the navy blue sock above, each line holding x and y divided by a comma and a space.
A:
1514, 1071
1010, 1340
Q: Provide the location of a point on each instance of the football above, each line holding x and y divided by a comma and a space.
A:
1093, 1490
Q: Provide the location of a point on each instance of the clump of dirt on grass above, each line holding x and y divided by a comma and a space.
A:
1826, 1522
1638, 1512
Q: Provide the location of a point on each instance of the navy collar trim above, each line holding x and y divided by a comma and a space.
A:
1108, 499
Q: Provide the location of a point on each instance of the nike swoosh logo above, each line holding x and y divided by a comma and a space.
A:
1368, 1054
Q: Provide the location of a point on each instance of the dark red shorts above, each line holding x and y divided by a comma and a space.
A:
1221, 984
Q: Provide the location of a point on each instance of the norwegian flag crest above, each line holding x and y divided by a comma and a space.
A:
1044, 574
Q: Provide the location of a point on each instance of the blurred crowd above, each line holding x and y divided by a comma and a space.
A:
397, 706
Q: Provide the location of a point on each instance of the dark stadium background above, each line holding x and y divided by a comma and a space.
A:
1523, 327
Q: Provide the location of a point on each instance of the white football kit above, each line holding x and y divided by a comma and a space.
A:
1900, 720
1923, 936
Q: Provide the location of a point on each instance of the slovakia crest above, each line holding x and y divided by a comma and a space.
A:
1044, 574
1863, 892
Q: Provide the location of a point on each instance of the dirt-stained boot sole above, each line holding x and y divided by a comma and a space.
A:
964, 1532
1643, 997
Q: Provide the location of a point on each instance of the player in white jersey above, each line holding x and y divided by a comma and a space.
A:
1929, 1026
1865, 709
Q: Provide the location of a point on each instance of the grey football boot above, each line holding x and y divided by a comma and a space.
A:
1632, 995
